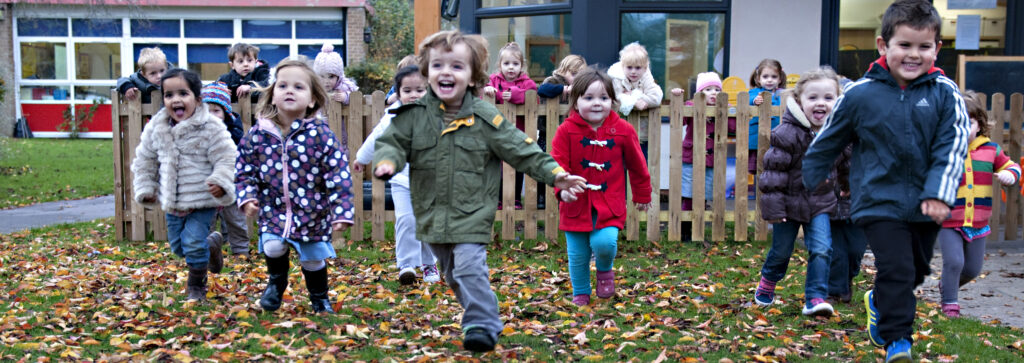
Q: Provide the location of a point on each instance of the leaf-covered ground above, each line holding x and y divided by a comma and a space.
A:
72, 293
44, 170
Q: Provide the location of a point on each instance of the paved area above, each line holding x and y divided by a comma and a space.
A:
65, 211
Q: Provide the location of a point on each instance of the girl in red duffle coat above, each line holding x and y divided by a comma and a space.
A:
596, 144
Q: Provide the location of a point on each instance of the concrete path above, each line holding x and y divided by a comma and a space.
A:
65, 211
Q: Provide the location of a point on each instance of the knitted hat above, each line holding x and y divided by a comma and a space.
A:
708, 79
218, 93
329, 62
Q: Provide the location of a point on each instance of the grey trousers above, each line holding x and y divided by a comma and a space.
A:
232, 226
961, 262
464, 266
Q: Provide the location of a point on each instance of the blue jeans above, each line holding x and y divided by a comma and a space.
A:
819, 245
602, 243
187, 236
848, 245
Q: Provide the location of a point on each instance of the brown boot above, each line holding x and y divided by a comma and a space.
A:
196, 284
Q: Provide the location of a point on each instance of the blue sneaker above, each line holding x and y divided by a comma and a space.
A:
765, 294
869, 306
898, 351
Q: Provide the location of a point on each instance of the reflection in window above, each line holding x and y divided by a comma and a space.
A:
162, 28
502, 3
679, 45
93, 93
96, 27
273, 53
97, 60
28, 27
209, 60
545, 40
274, 29
41, 60
45, 93
330, 29
209, 29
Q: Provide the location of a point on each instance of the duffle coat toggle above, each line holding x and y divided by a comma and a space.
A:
602, 143
597, 188
599, 166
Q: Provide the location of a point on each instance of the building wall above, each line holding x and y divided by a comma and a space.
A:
7, 104
356, 48
760, 29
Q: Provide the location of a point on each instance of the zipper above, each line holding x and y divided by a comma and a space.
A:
284, 184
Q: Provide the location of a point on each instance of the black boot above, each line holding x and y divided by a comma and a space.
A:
196, 284
316, 283
277, 282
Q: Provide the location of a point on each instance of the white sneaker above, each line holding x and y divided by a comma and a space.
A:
430, 274
407, 276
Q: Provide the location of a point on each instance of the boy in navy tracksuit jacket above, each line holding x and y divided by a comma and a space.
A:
908, 125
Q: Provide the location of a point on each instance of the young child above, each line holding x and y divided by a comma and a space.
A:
848, 241
767, 77
152, 65
454, 144
710, 85
248, 73
788, 205
408, 60
331, 69
410, 252
293, 173
217, 98
510, 82
962, 238
596, 144
634, 84
560, 82
902, 183
184, 161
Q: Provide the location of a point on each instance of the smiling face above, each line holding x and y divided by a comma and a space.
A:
817, 98
153, 71
633, 73
594, 104
413, 87
179, 98
769, 78
449, 74
910, 52
292, 94
243, 64
511, 67
711, 94
329, 80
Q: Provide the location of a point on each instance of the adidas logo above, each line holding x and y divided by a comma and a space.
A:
922, 103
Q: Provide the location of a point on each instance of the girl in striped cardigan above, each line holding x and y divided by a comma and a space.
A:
962, 237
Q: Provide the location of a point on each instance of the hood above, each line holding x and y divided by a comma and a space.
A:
795, 114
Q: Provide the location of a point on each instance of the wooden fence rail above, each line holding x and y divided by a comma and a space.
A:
134, 222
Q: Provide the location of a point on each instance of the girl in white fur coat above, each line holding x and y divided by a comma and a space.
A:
185, 161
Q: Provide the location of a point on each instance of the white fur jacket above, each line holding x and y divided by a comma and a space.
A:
628, 92
175, 164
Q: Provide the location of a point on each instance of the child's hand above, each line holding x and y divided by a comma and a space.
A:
643, 207
340, 97
775, 221
215, 190
844, 193
506, 96
567, 195
758, 100
251, 209
935, 209
131, 94
566, 89
358, 167
1006, 177
339, 227
640, 105
384, 170
149, 199
490, 91
243, 90
677, 91
569, 182
392, 98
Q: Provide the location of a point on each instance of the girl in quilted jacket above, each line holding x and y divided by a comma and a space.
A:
787, 205
293, 173
184, 161
596, 144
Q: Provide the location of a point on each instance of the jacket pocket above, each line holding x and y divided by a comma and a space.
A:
469, 191
422, 190
471, 154
424, 153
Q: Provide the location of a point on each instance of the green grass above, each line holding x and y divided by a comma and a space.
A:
73, 293
43, 170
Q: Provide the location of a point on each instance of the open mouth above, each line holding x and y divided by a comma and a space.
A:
178, 111
819, 114
446, 86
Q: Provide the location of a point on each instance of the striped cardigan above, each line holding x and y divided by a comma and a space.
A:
974, 196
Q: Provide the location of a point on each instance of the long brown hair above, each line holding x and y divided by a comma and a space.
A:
584, 79
266, 109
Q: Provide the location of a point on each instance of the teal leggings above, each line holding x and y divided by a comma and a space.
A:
601, 243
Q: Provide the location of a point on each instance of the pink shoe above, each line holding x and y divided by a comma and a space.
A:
605, 284
581, 300
951, 311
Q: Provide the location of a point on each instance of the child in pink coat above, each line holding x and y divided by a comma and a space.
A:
510, 82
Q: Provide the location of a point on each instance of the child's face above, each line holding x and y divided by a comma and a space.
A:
292, 94
511, 67
243, 64
216, 110
711, 94
910, 52
152, 72
769, 78
413, 87
569, 77
817, 100
329, 80
974, 131
449, 73
178, 98
594, 104
633, 73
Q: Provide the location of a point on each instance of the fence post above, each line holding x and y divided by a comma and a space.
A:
721, 144
119, 165
529, 185
653, 232
741, 206
373, 113
550, 201
1013, 148
675, 175
764, 131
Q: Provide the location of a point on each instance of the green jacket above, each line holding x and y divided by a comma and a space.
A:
455, 171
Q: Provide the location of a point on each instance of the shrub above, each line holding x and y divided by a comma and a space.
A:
75, 123
371, 76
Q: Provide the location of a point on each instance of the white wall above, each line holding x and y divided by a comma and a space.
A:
787, 30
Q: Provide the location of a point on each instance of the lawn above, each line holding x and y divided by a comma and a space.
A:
43, 170
73, 293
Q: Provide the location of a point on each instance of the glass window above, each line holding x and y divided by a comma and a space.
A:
45, 93
209, 60
96, 27
156, 28
41, 60
545, 40
669, 1
209, 29
679, 45
273, 53
503, 3
275, 29
97, 60
330, 29
170, 50
42, 27
311, 50
92, 93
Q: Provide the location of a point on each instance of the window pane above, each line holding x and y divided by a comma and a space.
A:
42, 27
209, 29
669, 1
44, 61
92, 93
679, 45
545, 40
45, 93
273, 53
98, 60
276, 29
156, 28
502, 3
320, 29
170, 50
209, 60
96, 27
311, 50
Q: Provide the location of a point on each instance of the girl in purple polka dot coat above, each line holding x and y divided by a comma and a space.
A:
292, 172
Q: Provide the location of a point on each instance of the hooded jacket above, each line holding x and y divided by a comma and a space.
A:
519, 86
909, 144
628, 92
136, 80
259, 77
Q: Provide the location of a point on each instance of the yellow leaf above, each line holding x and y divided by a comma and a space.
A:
594, 358
384, 326
91, 342
686, 339
666, 294
507, 331
242, 314
562, 314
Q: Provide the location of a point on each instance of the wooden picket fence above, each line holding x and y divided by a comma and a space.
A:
133, 222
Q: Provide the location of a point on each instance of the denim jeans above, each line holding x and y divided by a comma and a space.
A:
602, 244
848, 245
187, 236
817, 237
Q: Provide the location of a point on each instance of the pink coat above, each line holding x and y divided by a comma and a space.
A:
518, 87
